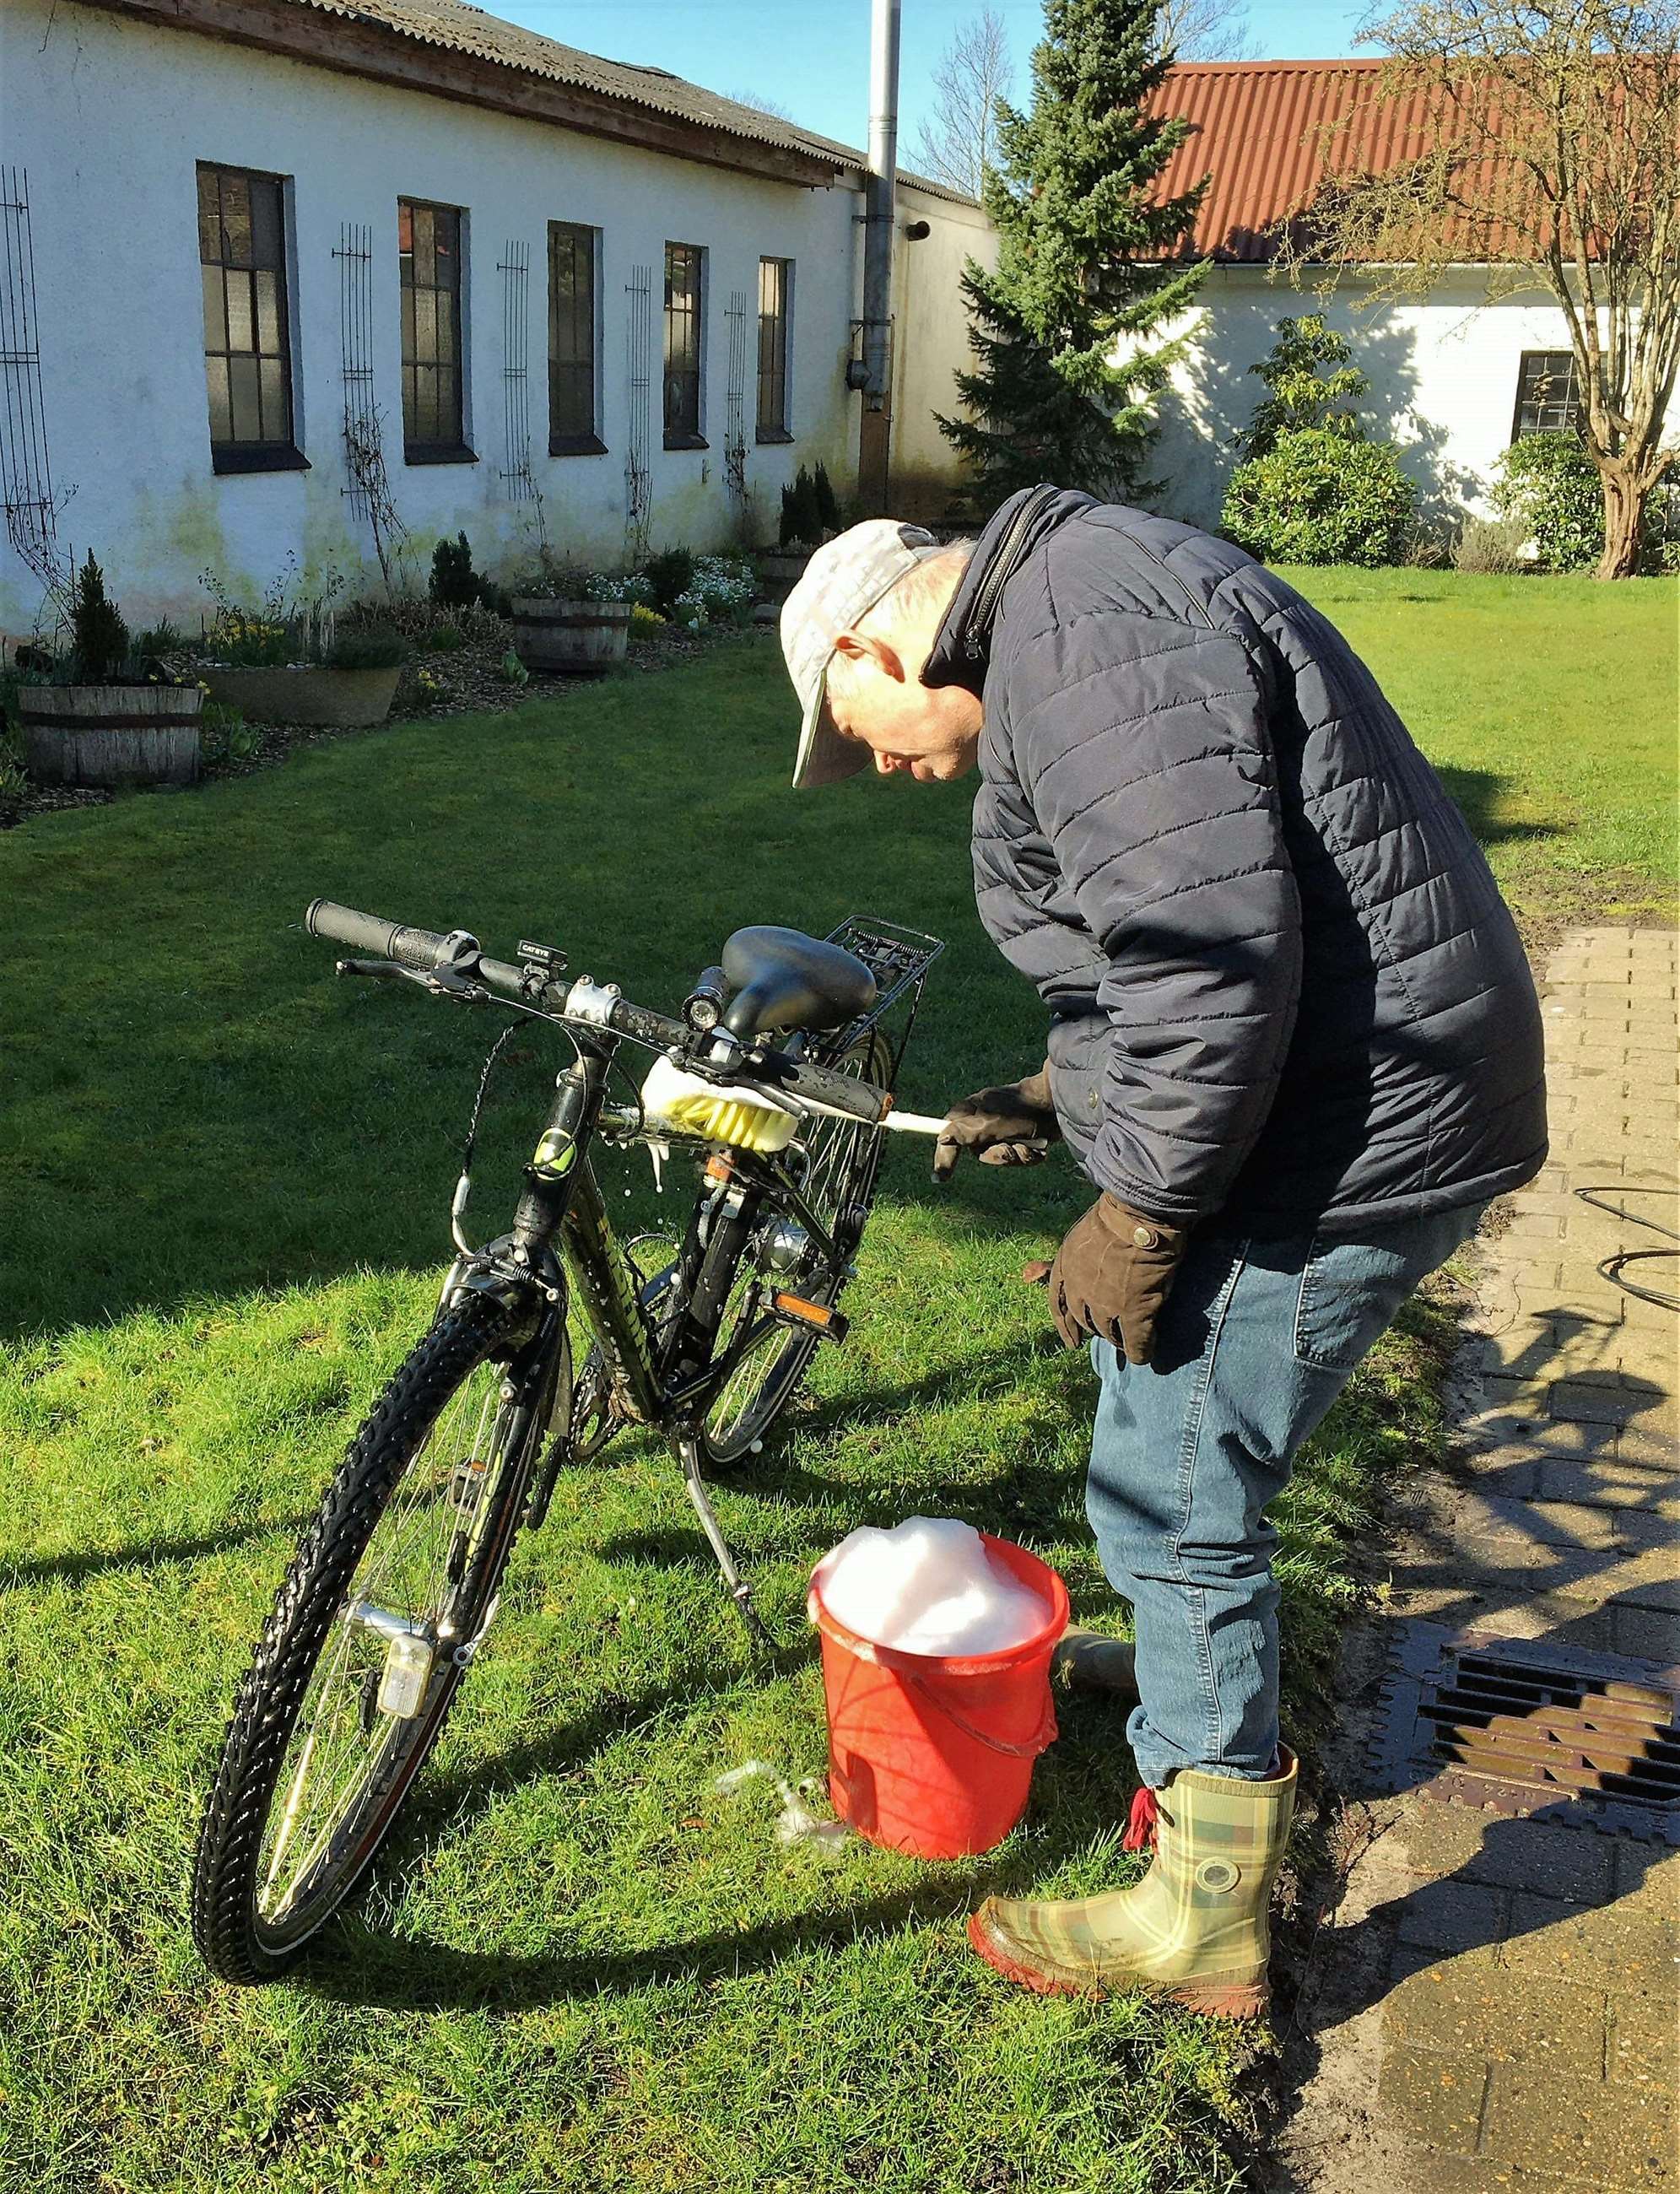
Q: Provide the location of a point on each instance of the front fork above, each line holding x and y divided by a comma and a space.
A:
561, 1200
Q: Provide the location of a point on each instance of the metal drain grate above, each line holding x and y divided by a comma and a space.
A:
1519, 1728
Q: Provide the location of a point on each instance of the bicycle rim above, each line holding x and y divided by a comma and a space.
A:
424, 1575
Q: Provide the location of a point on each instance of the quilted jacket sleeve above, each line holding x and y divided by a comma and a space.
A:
1143, 747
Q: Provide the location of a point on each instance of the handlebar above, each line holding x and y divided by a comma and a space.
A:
426, 951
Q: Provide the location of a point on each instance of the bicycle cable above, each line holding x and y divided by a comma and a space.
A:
1613, 1268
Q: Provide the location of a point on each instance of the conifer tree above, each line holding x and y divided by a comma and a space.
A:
1067, 333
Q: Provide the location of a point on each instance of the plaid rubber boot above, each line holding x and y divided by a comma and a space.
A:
1093, 1663
1197, 1926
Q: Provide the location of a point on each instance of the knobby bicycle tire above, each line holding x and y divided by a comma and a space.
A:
231, 1932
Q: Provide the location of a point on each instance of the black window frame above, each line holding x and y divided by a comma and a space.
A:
444, 449
692, 311
258, 453
775, 354
1529, 371
573, 440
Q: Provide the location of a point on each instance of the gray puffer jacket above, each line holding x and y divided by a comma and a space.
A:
1282, 983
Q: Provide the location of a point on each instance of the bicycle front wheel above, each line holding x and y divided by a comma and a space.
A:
369, 1637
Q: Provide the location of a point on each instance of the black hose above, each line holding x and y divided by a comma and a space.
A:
1614, 1269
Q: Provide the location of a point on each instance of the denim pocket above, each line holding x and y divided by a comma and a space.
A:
1349, 1292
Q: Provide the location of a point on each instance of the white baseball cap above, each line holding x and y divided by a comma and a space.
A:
846, 578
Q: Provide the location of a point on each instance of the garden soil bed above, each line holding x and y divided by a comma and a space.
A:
464, 682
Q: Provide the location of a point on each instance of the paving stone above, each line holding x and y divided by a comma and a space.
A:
1602, 1481
1610, 2134
1500, 1425
1643, 2042
1631, 1402
1432, 2098
1539, 1857
1454, 1915
1500, 2019
1645, 1445
1622, 1947
1540, 1522
1647, 1634
1536, 1351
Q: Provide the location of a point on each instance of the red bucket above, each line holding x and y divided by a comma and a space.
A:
931, 1753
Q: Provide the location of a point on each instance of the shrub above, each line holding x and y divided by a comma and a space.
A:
445, 639
827, 502
99, 637
453, 581
1297, 397
669, 575
1492, 544
802, 518
1318, 498
513, 670
645, 623
1548, 483
367, 651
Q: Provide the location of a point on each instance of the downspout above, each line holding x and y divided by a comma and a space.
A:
880, 216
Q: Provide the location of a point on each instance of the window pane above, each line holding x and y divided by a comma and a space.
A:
268, 313
404, 226
425, 325
425, 264
425, 404
236, 217
408, 327
445, 348
410, 403
209, 216
241, 381
277, 425
215, 330
241, 330
449, 404
446, 241
265, 221
221, 416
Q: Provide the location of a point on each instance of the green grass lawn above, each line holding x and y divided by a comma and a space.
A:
226, 1178
1551, 706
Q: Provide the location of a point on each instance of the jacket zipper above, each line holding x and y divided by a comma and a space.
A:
1001, 571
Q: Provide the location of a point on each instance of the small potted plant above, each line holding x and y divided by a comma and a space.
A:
106, 711
800, 531
287, 664
565, 620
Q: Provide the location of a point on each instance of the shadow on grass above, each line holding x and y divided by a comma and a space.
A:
362, 1968
150, 1553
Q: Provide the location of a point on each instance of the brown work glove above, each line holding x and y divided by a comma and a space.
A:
1006, 1126
1111, 1276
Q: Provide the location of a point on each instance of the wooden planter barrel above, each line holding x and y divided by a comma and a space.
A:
305, 693
111, 734
780, 571
583, 638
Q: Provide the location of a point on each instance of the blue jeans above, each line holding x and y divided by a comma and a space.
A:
1256, 1339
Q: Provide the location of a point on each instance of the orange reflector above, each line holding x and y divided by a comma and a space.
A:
808, 1313
718, 1168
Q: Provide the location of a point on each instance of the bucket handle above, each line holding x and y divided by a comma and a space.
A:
1043, 1735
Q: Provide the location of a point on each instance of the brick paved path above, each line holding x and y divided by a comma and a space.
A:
1496, 2002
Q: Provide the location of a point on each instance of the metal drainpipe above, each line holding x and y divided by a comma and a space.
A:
874, 429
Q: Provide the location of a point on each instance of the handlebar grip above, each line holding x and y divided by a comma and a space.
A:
422, 949
842, 1091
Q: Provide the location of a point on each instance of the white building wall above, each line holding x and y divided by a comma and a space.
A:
930, 343
1442, 371
110, 116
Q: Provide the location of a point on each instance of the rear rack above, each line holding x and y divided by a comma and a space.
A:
898, 959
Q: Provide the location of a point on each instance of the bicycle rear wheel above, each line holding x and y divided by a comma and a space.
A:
369, 1637
842, 1162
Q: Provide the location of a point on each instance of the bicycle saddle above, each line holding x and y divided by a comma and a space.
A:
785, 980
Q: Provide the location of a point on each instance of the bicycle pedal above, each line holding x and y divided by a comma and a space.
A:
820, 1319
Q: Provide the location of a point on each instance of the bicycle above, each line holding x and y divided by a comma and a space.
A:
396, 1581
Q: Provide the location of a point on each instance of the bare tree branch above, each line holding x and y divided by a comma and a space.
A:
1206, 31
757, 100
957, 142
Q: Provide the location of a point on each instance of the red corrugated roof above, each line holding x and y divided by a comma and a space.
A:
1258, 131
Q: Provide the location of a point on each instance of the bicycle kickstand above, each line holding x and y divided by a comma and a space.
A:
740, 1591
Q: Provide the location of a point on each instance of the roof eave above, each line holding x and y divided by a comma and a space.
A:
378, 51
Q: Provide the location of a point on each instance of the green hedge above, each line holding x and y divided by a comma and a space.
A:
1316, 498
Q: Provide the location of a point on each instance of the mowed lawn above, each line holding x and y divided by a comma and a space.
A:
226, 1179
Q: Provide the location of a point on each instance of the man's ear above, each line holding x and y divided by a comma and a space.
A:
869, 645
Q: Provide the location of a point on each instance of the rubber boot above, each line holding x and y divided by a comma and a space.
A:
1197, 1926
1093, 1663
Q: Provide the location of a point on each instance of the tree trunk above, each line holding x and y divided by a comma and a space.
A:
1625, 494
